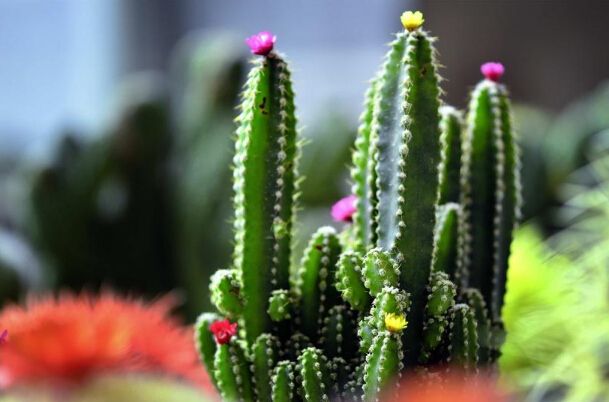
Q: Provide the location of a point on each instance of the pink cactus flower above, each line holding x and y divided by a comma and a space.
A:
261, 43
492, 71
223, 331
344, 209
4, 336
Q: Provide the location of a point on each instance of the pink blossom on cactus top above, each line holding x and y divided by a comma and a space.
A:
261, 43
344, 209
492, 71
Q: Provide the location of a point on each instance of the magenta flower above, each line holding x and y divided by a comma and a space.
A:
492, 70
261, 43
4, 336
344, 209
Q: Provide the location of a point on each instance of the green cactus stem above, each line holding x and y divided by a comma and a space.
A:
283, 386
339, 333
314, 375
446, 240
379, 270
316, 281
490, 194
463, 346
225, 292
349, 281
264, 356
406, 135
383, 363
232, 373
363, 175
451, 124
265, 165
204, 341
474, 299
279, 305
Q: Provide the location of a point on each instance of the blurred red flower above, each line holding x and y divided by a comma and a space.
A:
447, 387
70, 338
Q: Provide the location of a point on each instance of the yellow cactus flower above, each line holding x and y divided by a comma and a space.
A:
395, 322
412, 21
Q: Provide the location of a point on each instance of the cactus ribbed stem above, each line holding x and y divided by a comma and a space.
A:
264, 357
362, 173
350, 283
383, 363
232, 373
283, 386
265, 164
450, 125
407, 135
490, 200
204, 341
314, 372
446, 240
316, 283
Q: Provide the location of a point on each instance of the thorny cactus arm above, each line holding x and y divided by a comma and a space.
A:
283, 386
379, 270
450, 125
446, 237
225, 292
490, 191
204, 341
265, 165
350, 282
463, 346
406, 135
316, 281
232, 373
264, 357
313, 371
363, 175
474, 299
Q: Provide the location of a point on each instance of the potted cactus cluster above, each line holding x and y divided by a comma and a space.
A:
415, 282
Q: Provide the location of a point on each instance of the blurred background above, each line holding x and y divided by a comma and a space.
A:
116, 120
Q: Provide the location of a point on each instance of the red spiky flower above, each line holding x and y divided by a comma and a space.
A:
223, 331
71, 338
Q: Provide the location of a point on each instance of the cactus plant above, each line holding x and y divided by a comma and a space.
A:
404, 286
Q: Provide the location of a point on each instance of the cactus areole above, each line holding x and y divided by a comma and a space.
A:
418, 277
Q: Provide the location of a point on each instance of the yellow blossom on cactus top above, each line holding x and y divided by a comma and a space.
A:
395, 322
412, 21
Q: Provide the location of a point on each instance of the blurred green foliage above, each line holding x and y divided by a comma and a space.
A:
557, 305
554, 146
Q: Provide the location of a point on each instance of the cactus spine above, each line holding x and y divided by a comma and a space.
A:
401, 290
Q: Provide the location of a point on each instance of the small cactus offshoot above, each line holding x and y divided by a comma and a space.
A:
418, 277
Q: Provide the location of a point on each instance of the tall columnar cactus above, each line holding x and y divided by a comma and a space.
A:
404, 286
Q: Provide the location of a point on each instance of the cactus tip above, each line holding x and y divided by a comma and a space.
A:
412, 20
395, 322
262, 43
343, 209
492, 71
223, 331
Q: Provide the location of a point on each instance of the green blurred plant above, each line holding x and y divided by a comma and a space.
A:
554, 147
557, 309
100, 211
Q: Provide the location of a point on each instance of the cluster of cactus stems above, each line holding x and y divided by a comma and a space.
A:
415, 282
